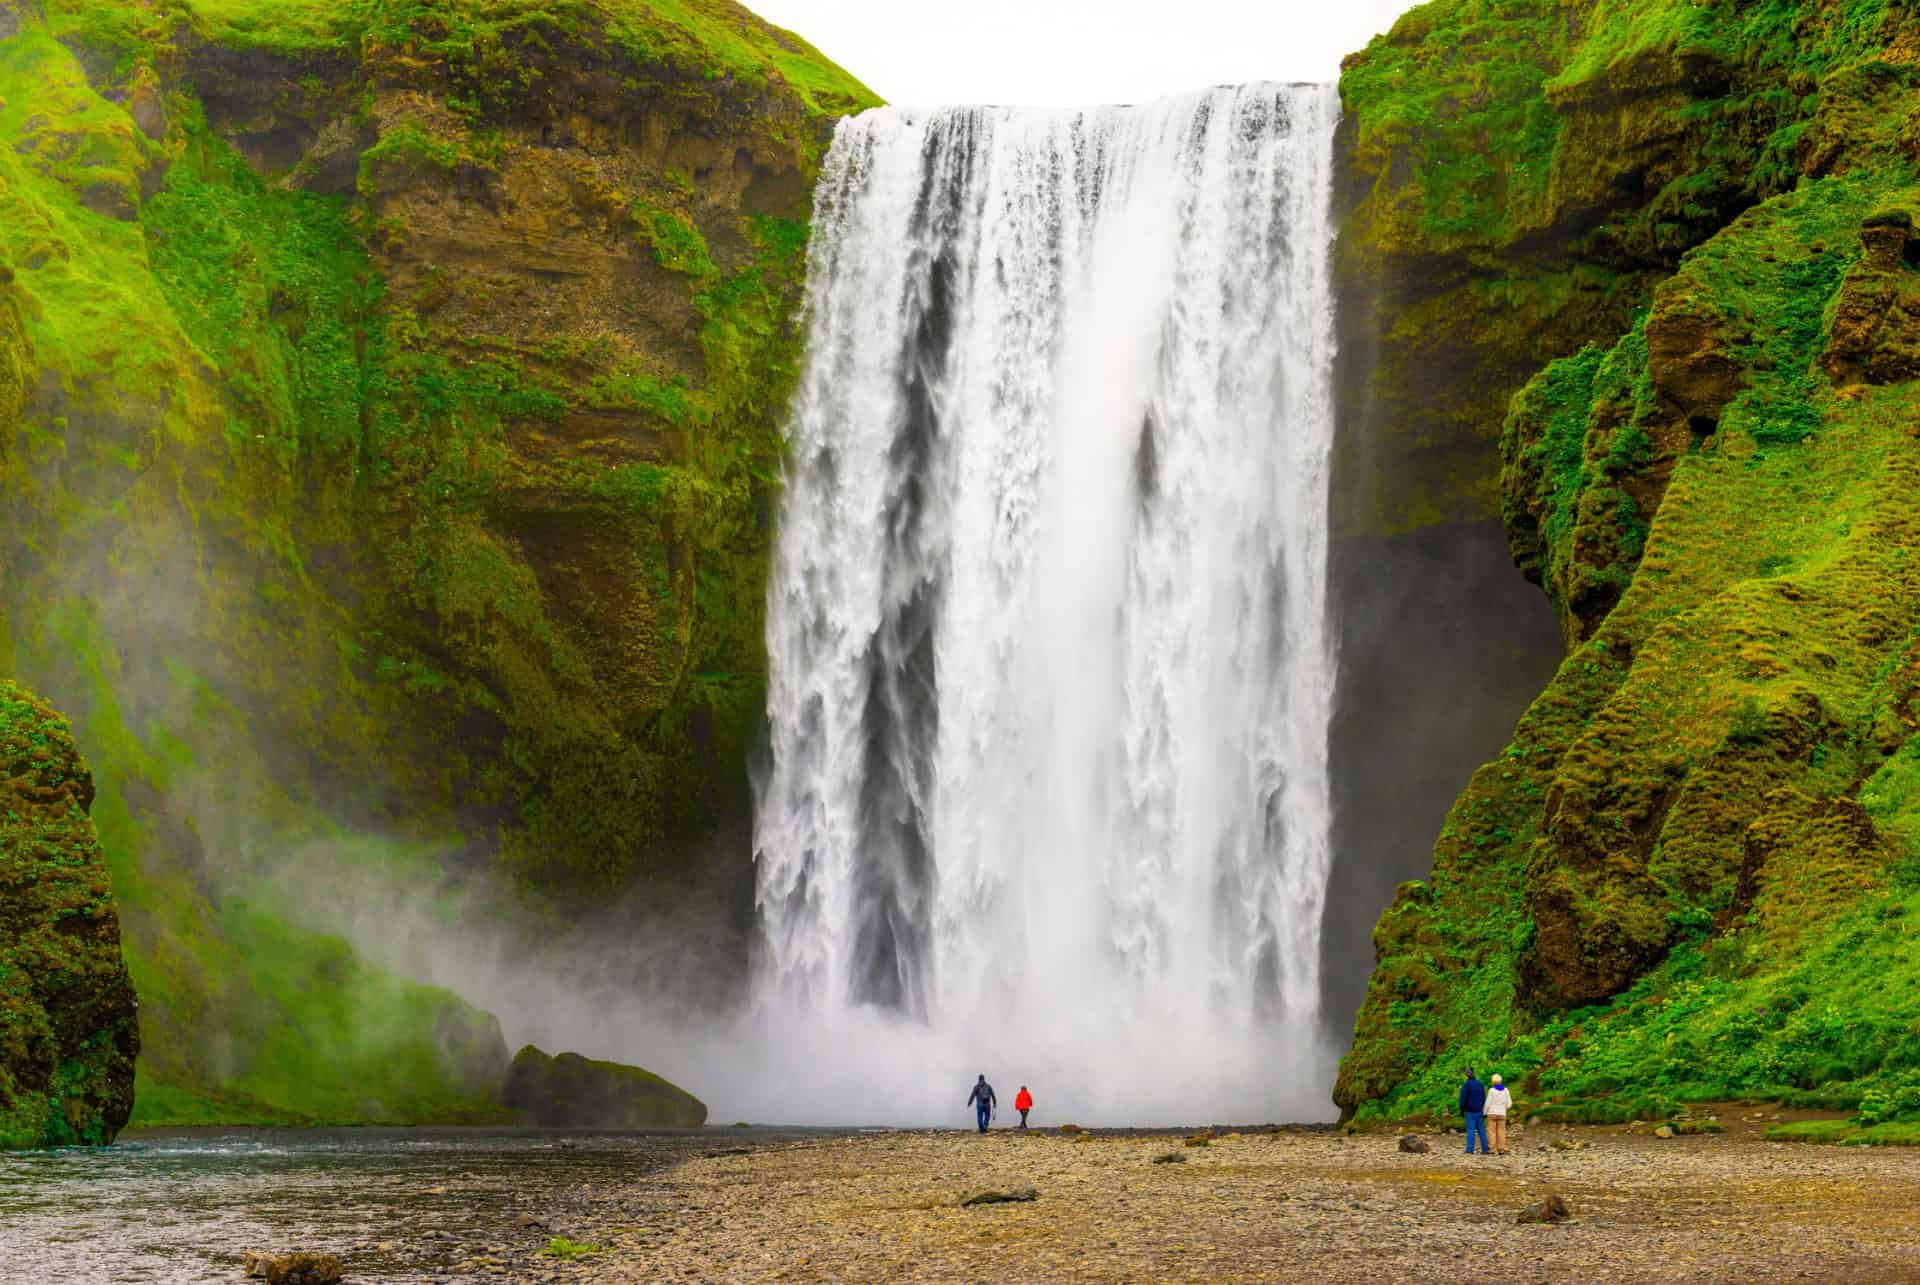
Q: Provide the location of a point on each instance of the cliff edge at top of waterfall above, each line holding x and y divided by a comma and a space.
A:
68, 1031
387, 440
1690, 874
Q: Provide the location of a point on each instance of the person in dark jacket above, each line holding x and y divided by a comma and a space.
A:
982, 1102
1473, 1105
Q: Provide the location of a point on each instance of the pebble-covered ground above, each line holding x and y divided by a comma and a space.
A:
1256, 1206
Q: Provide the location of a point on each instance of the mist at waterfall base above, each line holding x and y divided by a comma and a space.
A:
1050, 671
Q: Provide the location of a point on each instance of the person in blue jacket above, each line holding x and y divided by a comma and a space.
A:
981, 1100
1473, 1105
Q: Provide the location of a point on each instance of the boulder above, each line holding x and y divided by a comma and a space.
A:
1551, 1209
573, 1092
69, 1029
1664, 1131
1414, 1144
1170, 1158
293, 1269
1019, 1195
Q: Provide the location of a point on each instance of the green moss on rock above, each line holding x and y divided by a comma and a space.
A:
68, 1022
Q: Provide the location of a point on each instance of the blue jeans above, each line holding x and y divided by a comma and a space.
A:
1477, 1123
986, 1114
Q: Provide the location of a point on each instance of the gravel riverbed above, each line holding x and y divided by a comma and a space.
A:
1257, 1206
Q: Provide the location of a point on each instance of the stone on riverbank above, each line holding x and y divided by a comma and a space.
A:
573, 1092
1019, 1195
294, 1269
1551, 1209
1414, 1144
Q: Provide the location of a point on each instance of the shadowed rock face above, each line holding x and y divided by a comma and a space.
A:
68, 1029
573, 1092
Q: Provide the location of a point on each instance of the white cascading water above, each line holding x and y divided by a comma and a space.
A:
1051, 672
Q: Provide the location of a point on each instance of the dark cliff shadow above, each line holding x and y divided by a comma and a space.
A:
1442, 647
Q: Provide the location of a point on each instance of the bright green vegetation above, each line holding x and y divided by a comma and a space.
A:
346, 529
68, 1033
1692, 875
570, 1250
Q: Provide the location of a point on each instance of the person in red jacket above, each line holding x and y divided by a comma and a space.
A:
1023, 1103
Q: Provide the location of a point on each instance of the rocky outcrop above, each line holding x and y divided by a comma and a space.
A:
68, 1021
1875, 337
573, 1092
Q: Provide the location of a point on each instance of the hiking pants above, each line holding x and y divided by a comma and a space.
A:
986, 1114
1476, 1123
1497, 1133
1023, 1117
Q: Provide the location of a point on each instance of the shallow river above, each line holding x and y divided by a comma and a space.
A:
394, 1204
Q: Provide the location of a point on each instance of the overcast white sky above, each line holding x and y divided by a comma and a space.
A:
1078, 52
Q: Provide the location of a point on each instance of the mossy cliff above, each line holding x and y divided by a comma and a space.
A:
388, 428
1692, 873
1514, 180
69, 1026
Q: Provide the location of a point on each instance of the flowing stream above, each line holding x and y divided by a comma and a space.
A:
1051, 671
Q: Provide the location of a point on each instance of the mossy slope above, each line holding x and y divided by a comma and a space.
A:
388, 435
1690, 876
68, 1023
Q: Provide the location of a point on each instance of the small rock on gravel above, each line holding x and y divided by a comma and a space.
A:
1019, 1195
1414, 1144
1170, 1158
1551, 1209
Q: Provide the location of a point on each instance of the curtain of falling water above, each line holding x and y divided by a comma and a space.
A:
1051, 672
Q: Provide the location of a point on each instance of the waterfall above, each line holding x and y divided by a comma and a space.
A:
1050, 667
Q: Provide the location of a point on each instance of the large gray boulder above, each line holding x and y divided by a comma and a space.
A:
573, 1092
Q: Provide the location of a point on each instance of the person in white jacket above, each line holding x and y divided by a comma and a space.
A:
1499, 1102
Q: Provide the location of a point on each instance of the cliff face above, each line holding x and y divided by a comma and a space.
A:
68, 1023
389, 438
1688, 874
